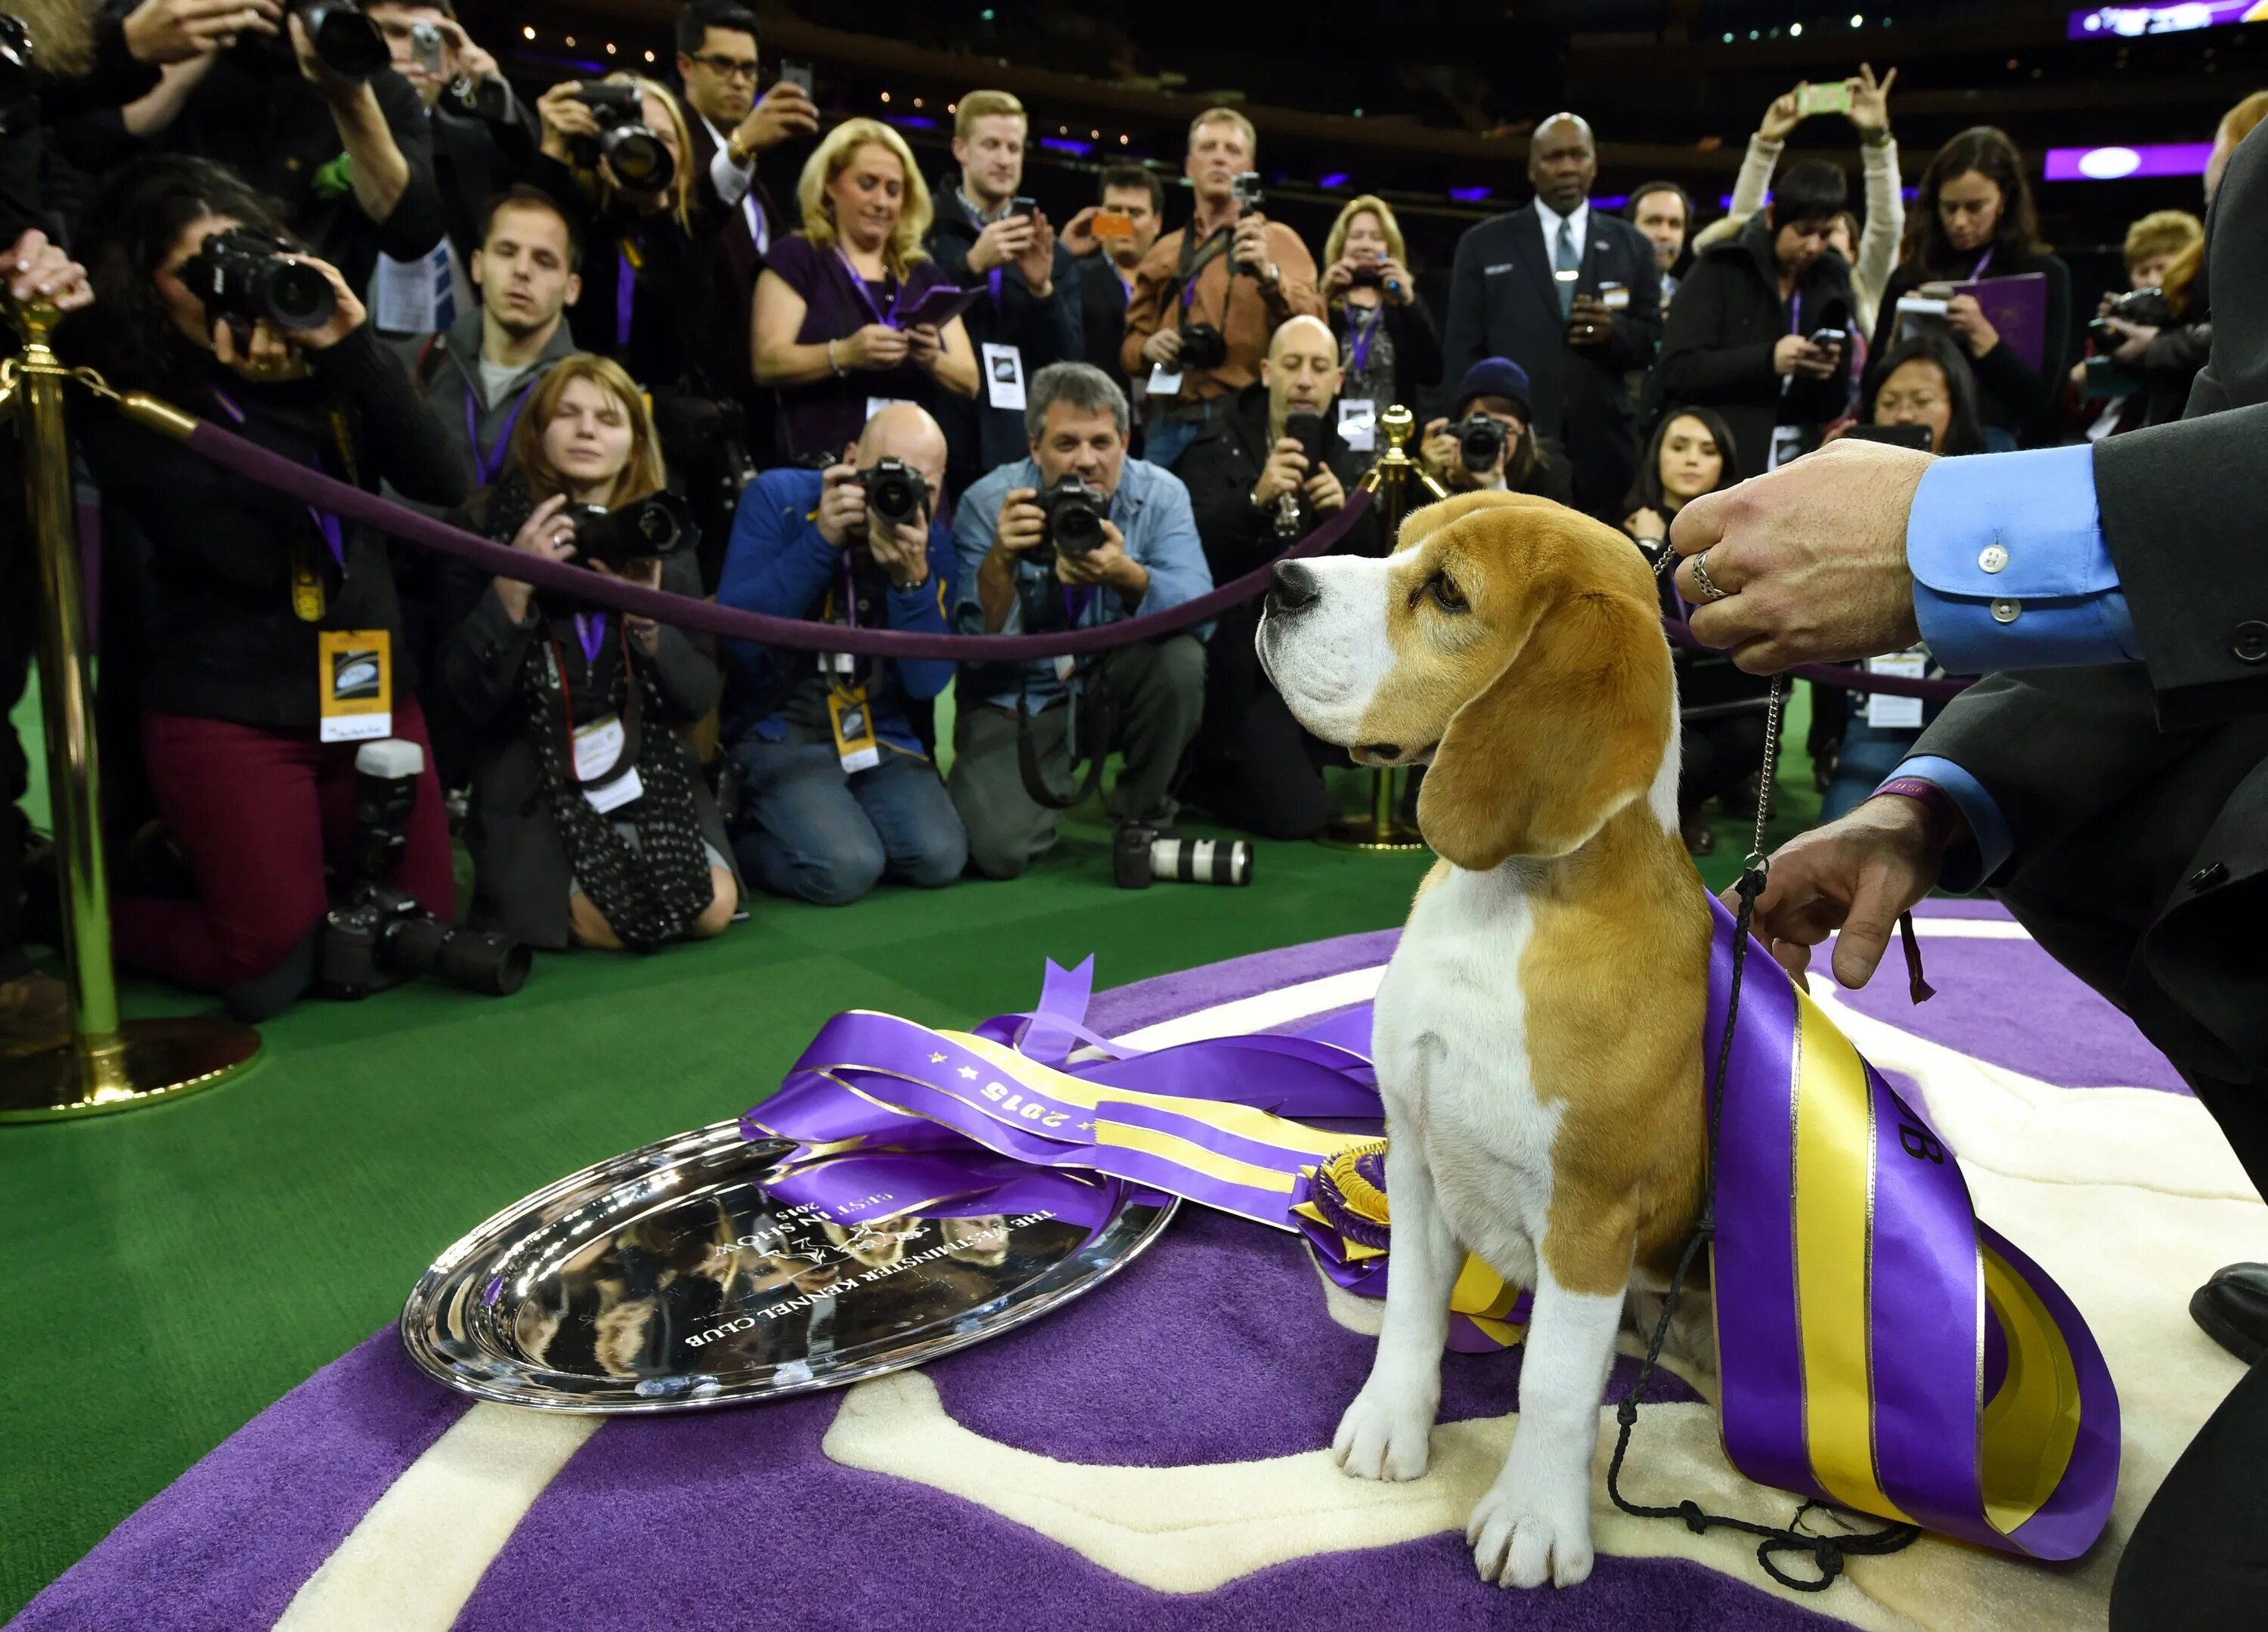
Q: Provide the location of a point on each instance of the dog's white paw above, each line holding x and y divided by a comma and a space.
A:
1528, 1530
1386, 1433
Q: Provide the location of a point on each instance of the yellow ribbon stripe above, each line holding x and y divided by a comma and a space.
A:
1834, 1200
2030, 1426
1184, 1153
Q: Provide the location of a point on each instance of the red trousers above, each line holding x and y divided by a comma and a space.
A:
256, 811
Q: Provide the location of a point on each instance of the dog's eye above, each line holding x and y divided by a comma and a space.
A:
1445, 594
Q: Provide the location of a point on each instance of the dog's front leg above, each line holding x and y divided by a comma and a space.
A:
1385, 1432
1534, 1525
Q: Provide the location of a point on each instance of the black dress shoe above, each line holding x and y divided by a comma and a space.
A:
2233, 1309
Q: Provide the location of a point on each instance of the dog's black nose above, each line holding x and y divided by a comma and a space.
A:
1295, 587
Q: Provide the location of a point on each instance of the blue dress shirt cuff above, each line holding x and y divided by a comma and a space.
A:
1971, 860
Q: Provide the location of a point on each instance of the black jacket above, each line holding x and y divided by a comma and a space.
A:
1221, 469
979, 436
220, 638
2136, 796
2010, 396
1102, 319
1504, 302
474, 159
1717, 346
735, 267
1416, 343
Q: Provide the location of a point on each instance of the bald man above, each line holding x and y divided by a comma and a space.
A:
838, 789
1572, 294
1253, 490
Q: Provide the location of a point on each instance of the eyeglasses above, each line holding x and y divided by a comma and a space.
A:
731, 67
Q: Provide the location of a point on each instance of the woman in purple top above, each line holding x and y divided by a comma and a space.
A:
838, 325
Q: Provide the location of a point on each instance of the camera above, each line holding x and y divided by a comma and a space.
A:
1368, 274
2147, 307
1075, 514
1481, 441
1246, 187
896, 491
1138, 856
19, 98
378, 936
1203, 346
630, 154
244, 275
645, 529
344, 38
425, 46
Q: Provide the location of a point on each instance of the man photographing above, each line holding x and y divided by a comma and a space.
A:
2107, 781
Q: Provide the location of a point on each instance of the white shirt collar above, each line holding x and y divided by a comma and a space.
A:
1579, 217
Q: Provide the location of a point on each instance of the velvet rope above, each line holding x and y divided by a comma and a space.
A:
256, 464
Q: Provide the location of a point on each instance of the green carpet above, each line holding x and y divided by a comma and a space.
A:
177, 1268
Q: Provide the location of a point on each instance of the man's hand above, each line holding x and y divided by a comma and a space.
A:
1106, 566
1285, 469
473, 62
1783, 115
1078, 236
785, 111
1966, 319
1792, 354
1001, 242
1249, 248
900, 549
1811, 559
1163, 348
1021, 525
1037, 262
1869, 111
33, 269
1324, 495
159, 31
565, 119
1856, 875
841, 505
1589, 322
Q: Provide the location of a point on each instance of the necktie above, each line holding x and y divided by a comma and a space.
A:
1566, 261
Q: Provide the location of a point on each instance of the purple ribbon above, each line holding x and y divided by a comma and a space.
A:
993, 281
590, 633
1358, 341
489, 466
625, 297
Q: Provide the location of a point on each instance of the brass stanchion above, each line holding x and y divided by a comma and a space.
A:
105, 1064
1390, 481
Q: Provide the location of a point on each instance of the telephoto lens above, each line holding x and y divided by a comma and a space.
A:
243, 275
1140, 855
647, 529
1075, 514
896, 491
1480, 442
344, 38
629, 153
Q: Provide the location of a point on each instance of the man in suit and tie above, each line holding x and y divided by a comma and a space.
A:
1572, 294
716, 62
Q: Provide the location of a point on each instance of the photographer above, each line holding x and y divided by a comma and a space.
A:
1076, 535
1223, 285
836, 332
836, 788
1255, 486
590, 823
985, 237
1130, 203
254, 605
1763, 327
1390, 350
1487, 443
347, 152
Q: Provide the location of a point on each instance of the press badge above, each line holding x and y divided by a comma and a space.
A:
1614, 296
1358, 425
1162, 384
1887, 713
855, 744
1004, 377
598, 750
354, 684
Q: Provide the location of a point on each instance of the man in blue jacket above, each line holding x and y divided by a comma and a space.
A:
838, 789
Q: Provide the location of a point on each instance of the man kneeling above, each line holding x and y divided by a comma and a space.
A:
838, 789
1075, 536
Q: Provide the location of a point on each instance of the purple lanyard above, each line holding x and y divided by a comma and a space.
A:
591, 630
992, 280
1075, 605
625, 297
1359, 349
489, 466
760, 231
859, 284
1977, 272
326, 523
1795, 314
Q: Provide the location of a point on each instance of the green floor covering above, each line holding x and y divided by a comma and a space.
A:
175, 1270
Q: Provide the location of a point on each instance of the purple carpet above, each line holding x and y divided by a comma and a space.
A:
1214, 1347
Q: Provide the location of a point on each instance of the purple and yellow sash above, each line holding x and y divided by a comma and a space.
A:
1878, 1347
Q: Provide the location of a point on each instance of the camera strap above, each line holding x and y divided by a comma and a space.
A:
1194, 259
1042, 792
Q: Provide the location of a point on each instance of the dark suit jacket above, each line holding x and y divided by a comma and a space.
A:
476, 158
2136, 796
1102, 315
1504, 302
738, 261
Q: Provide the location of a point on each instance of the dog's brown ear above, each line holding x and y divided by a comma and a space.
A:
1568, 733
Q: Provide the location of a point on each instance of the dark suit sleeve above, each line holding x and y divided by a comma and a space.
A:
1417, 349
417, 222
1694, 368
1638, 327
1464, 339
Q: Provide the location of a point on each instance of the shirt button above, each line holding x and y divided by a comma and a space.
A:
2005, 611
1992, 558
2250, 644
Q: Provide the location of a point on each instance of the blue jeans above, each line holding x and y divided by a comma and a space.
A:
1167, 440
824, 834
1870, 753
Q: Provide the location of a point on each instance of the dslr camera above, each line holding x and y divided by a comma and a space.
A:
1140, 854
2147, 307
243, 275
1075, 512
1481, 442
896, 491
648, 529
1203, 346
630, 153
344, 38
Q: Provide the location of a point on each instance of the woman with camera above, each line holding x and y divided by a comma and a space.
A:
1389, 349
1720, 710
269, 642
1973, 221
848, 311
590, 823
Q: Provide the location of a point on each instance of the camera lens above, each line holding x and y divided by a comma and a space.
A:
297, 296
348, 41
637, 160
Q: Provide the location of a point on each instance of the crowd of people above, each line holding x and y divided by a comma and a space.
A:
888, 400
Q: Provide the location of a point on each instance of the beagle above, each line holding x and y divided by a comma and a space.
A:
1537, 1036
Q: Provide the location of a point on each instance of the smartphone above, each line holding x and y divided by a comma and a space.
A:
1307, 430
1826, 339
1897, 435
1832, 97
1020, 205
1112, 223
795, 73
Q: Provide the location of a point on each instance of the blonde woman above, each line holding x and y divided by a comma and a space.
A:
839, 326
590, 824
1389, 349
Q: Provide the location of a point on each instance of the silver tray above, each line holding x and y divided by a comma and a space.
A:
695, 1272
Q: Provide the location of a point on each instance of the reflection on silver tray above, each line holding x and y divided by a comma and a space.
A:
696, 1272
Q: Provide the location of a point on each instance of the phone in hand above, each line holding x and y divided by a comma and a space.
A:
1826, 339
1020, 205
1246, 187
1112, 223
1307, 430
795, 73
1834, 97
1896, 435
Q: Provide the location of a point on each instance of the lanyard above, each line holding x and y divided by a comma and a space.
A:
1363, 334
591, 647
326, 523
1984, 262
759, 230
625, 294
1795, 313
489, 466
858, 285
590, 631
